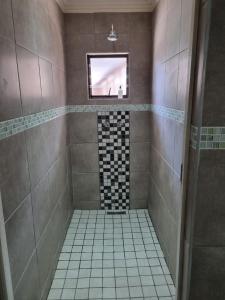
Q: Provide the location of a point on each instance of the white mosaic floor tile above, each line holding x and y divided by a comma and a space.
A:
111, 257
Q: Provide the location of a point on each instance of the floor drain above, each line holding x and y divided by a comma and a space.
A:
123, 212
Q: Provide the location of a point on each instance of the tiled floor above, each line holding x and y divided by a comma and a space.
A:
111, 257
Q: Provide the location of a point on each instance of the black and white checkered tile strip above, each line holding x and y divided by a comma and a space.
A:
114, 159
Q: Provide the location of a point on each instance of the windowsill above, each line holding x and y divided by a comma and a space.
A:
108, 99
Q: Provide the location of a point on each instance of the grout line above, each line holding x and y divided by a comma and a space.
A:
33, 253
84, 223
169, 165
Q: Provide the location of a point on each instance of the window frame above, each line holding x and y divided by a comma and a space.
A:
106, 55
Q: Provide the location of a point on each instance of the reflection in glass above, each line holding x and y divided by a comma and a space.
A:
108, 75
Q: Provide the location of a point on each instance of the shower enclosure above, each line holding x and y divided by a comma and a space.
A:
68, 156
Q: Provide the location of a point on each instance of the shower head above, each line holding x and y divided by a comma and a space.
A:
112, 37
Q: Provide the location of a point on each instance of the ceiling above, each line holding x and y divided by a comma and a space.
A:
92, 6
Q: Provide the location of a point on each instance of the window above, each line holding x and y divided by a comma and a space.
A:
107, 75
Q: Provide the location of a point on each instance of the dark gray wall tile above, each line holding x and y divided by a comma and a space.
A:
160, 12
58, 84
167, 182
47, 285
39, 42
56, 16
84, 24
178, 148
42, 206
166, 228
42, 29
58, 177
63, 88
61, 223
87, 205
159, 34
49, 246
38, 152
46, 250
15, 188
45, 143
172, 55
214, 87
140, 89
66, 209
157, 126
104, 21
57, 47
158, 86
140, 49
214, 91
143, 22
140, 157
186, 23
140, 127
139, 203
10, 105
24, 23
20, 232
62, 219
57, 137
84, 158
210, 200
28, 287
171, 82
139, 189
83, 128
86, 187
208, 272
14, 175
77, 46
91, 36
6, 21
167, 143
191, 190
77, 86
183, 79
47, 89
30, 84
102, 44
174, 27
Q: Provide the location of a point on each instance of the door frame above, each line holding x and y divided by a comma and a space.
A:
185, 151
183, 274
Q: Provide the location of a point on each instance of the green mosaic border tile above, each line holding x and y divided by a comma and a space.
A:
17, 125
211, 138
169, 113
113, 107
166, 112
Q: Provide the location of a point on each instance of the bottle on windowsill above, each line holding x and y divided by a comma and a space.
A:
120, 93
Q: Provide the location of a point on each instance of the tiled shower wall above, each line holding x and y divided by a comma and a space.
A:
85, 160
34, 172
172, 49
87, 33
